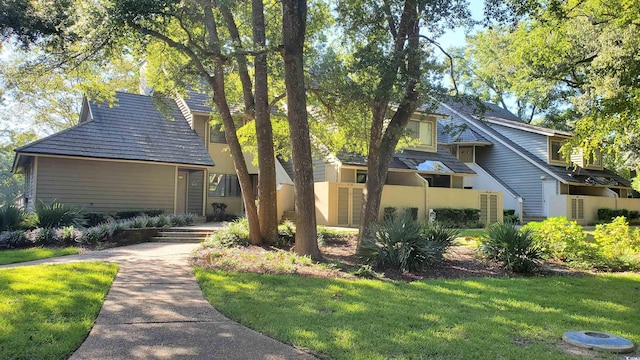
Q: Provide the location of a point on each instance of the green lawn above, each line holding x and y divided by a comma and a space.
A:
519, 318
16, 256
47, 311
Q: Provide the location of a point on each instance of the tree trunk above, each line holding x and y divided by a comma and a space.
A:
383, 141
217, 84
267, 206
294, 14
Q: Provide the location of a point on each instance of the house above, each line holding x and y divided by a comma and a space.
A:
138, 153
422, 177
524, 163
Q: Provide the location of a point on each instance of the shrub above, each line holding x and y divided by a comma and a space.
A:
606, 215
286, 234
617, 241
10, 217
403, 244
233, 234
439, 236
30, 221
460, 218
14, 240
42, 236
389, 212
509, 216
68, 235
93, 219
56, 215
92, 235
162, 221
412, 213
515, 249
561, 239
129, 214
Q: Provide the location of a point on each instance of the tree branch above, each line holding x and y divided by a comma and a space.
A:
178, 46
435, 43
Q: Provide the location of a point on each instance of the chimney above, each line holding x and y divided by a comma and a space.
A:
143, 87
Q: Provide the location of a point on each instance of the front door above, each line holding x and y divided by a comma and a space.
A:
549, 189
181, 192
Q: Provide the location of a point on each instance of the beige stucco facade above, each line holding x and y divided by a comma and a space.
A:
339, 203
584, 209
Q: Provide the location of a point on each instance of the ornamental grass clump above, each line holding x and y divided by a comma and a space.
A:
403, 244
10, 217
515, 248
57, 215
234, 234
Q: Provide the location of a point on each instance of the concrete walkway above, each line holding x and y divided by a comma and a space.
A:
156, 310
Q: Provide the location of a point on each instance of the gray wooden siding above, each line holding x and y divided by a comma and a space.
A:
516, 172
319, 171
194, 192
534, 143
200, 126
103, 186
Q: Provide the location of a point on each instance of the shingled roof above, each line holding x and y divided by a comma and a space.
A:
565, 174
132, 129
412, 159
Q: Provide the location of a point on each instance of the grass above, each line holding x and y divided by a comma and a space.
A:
47, 311
489, 318
17, 256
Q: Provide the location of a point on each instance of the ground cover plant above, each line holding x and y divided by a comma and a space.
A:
46, 311
480, 318
22, 255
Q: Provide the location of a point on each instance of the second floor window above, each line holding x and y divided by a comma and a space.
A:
361, 176
555, 145
216, 134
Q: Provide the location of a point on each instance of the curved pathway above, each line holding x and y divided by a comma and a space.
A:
156, 310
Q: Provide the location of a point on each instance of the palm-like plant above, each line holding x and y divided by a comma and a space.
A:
515, 248
56, 215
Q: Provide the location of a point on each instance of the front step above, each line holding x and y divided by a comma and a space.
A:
182, 235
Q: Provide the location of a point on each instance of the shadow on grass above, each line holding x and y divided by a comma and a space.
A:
47, 311
458, 319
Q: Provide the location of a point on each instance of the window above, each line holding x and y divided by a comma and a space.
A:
224, 185
361, 176
216, 135
555, 145
595, 159
413, 129
426, 135
421, 130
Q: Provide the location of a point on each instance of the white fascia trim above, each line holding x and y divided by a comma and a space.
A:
474, 124
531, 128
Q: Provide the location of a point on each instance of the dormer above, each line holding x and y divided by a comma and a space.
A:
554, 143
423, 128
593, 162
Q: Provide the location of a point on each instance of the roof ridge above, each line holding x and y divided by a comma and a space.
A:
57, 133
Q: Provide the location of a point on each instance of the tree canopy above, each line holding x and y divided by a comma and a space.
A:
590, 51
